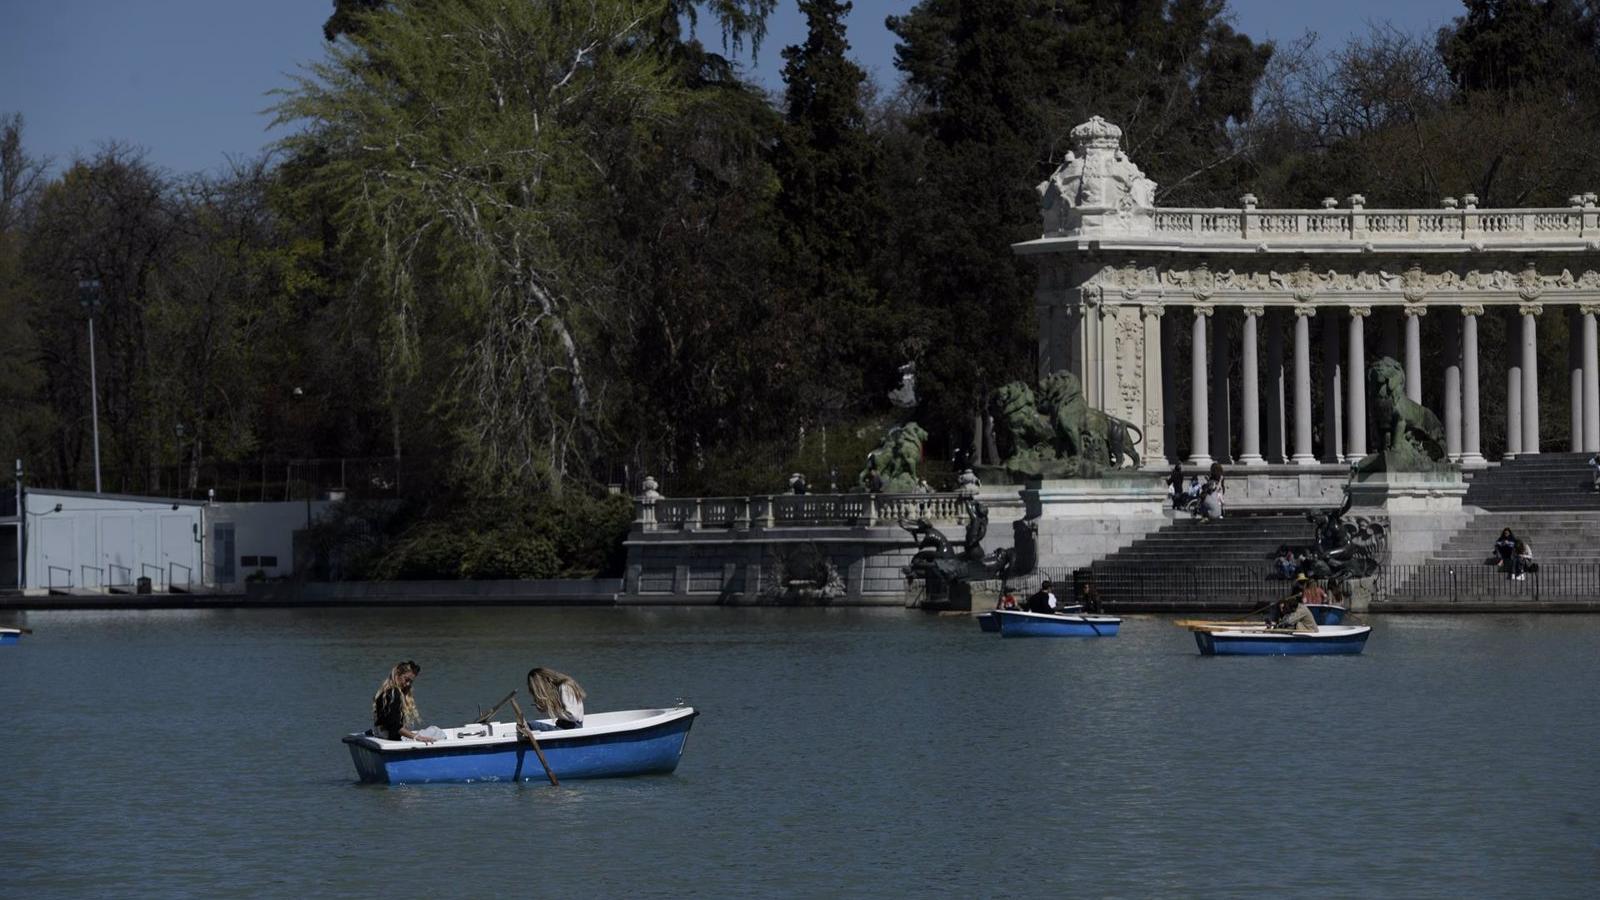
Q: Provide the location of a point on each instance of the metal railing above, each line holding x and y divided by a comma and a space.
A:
112, 583
1442, 582
50, 578
83, 576
188, 575
144, 572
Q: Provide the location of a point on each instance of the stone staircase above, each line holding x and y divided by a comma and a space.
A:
1548, 481
1195, 565
1555, 537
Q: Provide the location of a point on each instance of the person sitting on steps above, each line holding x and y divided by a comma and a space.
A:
1524, 560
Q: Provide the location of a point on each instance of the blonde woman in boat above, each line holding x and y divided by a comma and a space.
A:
557, 696
394, 709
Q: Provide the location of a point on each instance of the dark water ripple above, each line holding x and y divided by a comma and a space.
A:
841, 752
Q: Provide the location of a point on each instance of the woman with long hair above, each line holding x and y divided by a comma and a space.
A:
394, 710
557, 696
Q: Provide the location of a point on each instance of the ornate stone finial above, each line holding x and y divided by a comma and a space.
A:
1248, 201
1096, 133
1356, 201
1448, 203
1329, 203
1097, 187
650, 494
1470, 200
967, 482
1575, 201
1590, 198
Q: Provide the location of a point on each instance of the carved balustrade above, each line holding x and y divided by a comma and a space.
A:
798, 511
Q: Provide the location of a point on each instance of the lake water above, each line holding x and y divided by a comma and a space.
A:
839, 752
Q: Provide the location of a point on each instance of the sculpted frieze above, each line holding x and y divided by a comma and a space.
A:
1414, 284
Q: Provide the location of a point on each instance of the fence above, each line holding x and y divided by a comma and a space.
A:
1436, 582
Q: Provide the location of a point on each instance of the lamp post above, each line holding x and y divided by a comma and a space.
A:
89, 299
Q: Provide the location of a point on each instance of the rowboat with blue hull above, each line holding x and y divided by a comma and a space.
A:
1327, 613
609, 745
1016, 623
1330, 640
10, 635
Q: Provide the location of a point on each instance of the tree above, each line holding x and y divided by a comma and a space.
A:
467, 144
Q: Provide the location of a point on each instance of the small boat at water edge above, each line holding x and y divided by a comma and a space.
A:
10, 635
1327, 613
609, 745
990, 621
1329, 640
1017, 623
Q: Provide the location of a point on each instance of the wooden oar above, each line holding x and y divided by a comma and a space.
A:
522, 726
494, 709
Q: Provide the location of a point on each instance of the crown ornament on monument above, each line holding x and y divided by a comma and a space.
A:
1098, 134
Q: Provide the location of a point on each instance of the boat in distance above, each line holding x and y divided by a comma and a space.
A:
10, 635
1017, 623
1327, 613
1328, 640
609, 745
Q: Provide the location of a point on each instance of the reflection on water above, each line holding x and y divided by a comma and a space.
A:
855, 752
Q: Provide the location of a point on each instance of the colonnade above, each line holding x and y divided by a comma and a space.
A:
1344, 389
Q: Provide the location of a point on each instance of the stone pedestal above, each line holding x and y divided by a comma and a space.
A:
1361, 592
1423, 510
1081, 519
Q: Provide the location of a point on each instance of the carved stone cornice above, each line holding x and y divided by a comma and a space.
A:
1530, 309
1472, 309
1360, 312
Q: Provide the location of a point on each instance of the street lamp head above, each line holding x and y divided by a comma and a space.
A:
89, 293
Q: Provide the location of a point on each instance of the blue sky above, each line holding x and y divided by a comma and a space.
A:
188, 79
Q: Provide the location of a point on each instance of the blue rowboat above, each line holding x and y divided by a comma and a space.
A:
10, 635
1016, 623
609, 745
1327, 613
989, 621
1328, 640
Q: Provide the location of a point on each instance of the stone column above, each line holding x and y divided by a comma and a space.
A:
1530, 378
1513, 410
1575, 378
1155, 448
1414, 316
1302, 385
1471, 427
1250, 391
1275, 422
1172, 426
1355, 409
1221, 390
1199, 452
1452, 390
1332, 424
1591, 379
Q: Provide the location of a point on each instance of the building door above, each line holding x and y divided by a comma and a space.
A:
222, 551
